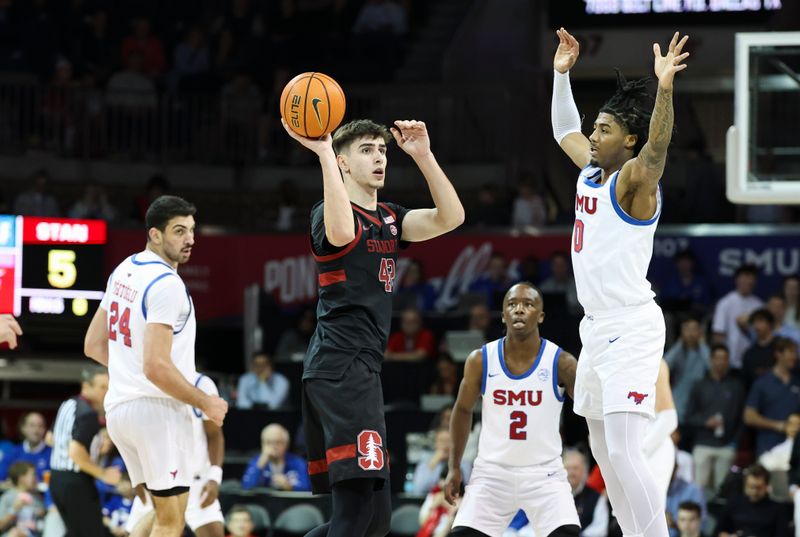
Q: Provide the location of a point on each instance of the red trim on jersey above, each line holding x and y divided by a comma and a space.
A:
366, 215
337, 255
319, 466
339, 453
334, 276
388, 210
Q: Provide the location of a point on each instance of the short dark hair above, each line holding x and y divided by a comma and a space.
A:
685, 254
690, 506
780, 344
261, 353
89, 373
631, 105
746, 269
779, 296
349, 132
757, 471
240, 508
720, 347
164, 209
763, 314
25, 416
19, 469
526, 284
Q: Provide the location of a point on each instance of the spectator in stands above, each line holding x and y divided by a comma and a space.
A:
493, 283
681, 491
287, 205
773, 397
413, 342
480, 320
753, 514
191, 56
117, 507
262, 386
490, 211
429, 469
275, 468
777, 460
414, 291
21, 508
156, 187
37, 200
241, 103
447, 379
714, 414
149, 46
776, 304
791, 292
689, 519
794, 481
130, 89
240, 522
33, 448
98, 50
592, 508
93, 204
688, 360
528, 270
436, 515
687, 289
562, 282
295, 340
381, 17
760, 356
730, 316
529, 208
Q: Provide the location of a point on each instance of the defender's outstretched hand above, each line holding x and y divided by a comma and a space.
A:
412, 137
318, 145
666, 66
567, 52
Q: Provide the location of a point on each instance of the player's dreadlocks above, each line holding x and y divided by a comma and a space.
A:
631, 106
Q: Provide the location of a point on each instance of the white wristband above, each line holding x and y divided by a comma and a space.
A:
563, 111
215, 474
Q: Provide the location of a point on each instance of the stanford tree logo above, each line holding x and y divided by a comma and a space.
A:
369, 447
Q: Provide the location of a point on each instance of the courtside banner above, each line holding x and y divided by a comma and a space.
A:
222, 266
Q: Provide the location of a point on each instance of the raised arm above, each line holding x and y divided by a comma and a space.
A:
645, 170
423, 224
338, 215
461, 422
563, 111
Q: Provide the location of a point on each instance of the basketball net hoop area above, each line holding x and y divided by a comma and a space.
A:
762, 148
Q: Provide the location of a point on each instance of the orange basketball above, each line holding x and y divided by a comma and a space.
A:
312, 104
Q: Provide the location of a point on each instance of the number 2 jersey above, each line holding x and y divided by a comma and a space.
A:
145, 289
611, 250
520, 414
356, 282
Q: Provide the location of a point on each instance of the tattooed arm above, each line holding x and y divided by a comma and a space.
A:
644, 171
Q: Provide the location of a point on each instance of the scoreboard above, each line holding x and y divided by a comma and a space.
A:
51, 266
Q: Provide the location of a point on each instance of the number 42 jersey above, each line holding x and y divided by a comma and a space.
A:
520, 414
145, 289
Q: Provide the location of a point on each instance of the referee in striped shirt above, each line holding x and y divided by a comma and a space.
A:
76, 446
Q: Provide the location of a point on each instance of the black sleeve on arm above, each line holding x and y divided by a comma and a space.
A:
86, 427
319, 241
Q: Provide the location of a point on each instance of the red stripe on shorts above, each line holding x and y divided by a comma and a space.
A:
334, 276
317, 467
341, 452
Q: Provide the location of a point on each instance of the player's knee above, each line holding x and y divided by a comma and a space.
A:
566, 531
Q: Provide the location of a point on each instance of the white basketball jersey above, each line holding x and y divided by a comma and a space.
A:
143, 289
611, 250
199, 450
520, 413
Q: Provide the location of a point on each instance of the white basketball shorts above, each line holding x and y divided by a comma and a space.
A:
196, 516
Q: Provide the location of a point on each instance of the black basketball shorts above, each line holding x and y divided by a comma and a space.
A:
345, 428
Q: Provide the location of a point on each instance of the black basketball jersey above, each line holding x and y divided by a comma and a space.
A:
356, 283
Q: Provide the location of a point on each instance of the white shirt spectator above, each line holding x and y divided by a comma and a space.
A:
728, 309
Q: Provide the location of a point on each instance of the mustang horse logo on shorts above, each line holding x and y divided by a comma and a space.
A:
173, 473
637, 397
369, 447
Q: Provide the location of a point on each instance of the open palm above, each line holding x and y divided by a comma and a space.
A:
412, 137
666, 66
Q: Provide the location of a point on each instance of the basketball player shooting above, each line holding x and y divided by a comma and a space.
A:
355, 241
617, 206
521, 379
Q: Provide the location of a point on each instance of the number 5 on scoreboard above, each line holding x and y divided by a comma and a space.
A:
61, 270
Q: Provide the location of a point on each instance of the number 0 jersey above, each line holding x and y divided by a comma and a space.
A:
611, 250
520, 413
356, 282
145, 289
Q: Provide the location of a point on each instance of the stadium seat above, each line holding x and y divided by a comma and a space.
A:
405, 521
298, 520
